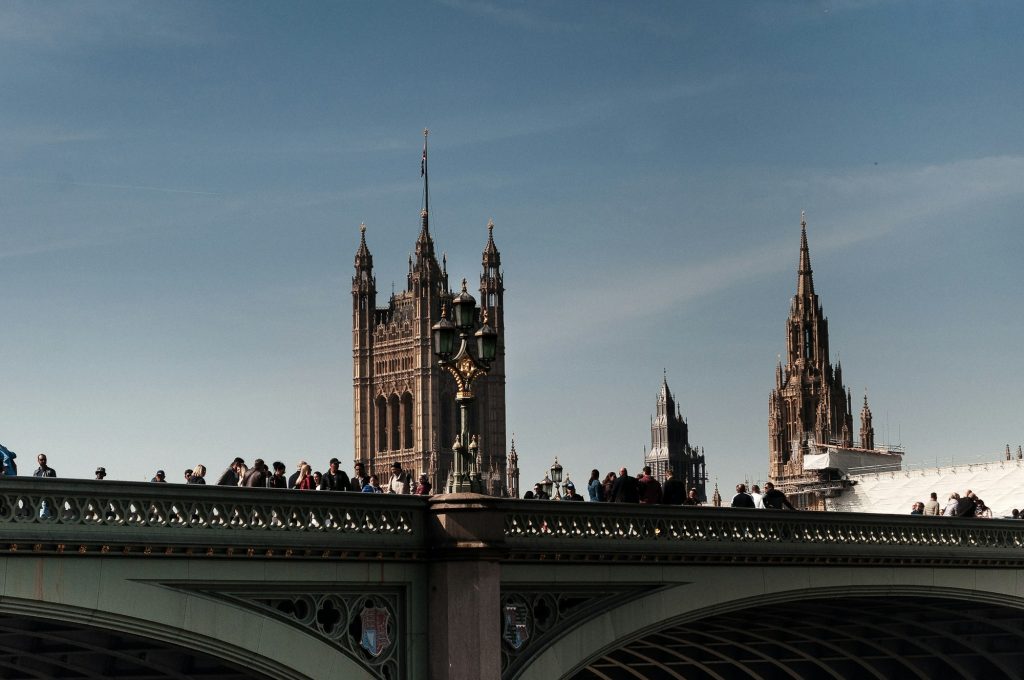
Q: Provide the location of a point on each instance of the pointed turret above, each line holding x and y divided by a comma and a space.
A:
492, 288
364, 260
364, 305
424, 242
867, 432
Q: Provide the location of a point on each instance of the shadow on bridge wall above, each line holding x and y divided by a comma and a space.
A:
169, 618
812, 622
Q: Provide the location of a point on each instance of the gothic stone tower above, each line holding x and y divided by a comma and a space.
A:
809, 407
670, 446
404, 404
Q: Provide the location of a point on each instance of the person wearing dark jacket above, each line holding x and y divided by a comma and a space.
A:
742, 499
625, 489
570, 493
966, 506
649, 487
335, 479
256, 476
278, 480
775, 499
359, 478
674, 491
230, 475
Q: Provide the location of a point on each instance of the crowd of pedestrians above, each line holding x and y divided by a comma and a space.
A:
968, 505
260, 475
645, 489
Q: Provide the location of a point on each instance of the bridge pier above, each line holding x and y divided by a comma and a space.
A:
465, 589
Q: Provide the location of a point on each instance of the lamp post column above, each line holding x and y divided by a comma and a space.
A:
464, 368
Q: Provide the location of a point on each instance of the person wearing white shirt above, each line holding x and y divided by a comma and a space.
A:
755, 492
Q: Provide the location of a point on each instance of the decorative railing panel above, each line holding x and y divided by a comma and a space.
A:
573, 529
82, 512
61, 515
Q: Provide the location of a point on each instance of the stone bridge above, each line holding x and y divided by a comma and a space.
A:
120, 580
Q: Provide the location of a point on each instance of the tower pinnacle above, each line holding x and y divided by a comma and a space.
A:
805, 279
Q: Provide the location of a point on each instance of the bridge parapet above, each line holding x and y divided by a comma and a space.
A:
636, 532
56, 515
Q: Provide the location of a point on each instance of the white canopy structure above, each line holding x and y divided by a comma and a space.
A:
1000, 484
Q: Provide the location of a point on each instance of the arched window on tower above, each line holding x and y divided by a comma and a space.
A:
408, 417
394, 411
382, 424
808, 344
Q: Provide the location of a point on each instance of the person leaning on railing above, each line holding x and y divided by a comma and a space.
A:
775, 499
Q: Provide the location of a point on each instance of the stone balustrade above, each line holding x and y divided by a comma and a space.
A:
46, 514
133, 517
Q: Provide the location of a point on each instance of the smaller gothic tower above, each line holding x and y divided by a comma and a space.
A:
867, 432
364, 305
670, 445
512, 469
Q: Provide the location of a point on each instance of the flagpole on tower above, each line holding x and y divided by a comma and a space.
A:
424, 174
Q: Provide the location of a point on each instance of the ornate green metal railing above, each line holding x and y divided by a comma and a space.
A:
47, 514
61, 515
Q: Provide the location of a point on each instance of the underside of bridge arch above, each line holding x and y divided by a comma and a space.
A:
45, 649
856, 637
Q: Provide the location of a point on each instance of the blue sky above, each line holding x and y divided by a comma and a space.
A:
181, 188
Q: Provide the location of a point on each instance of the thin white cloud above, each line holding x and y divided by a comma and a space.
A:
885, 200
103, 185
64, 25
511, 15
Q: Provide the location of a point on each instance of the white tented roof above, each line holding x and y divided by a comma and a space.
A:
849, 459
1000, 484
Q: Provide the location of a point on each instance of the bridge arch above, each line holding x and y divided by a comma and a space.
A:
791, 622
54, 611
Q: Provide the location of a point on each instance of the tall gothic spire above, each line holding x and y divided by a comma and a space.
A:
805, 279
424, 174
424, 243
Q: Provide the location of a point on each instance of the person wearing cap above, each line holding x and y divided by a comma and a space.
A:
335, 479
101, 472
160, 477
570, 493
399, 482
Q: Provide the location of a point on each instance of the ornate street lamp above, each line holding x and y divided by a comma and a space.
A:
545, 485
459, 361
556, 478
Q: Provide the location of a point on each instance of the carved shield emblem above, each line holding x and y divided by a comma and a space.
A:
517, 629
375, 630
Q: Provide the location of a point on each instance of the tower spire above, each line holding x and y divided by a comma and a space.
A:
424, 174
805, 279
